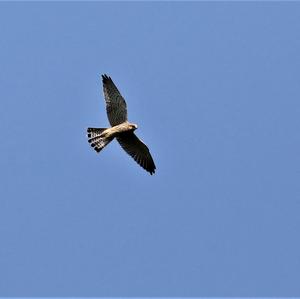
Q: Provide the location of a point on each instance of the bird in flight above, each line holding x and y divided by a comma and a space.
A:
120, 129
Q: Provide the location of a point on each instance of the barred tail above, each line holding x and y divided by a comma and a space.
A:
95, 139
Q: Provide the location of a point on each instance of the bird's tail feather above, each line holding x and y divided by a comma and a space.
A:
95, 139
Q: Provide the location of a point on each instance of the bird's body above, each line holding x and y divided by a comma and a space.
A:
120, 129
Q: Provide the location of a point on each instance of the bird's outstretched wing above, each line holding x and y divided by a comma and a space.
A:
115, 103
137, 150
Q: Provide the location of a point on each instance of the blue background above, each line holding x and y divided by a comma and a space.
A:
214, 88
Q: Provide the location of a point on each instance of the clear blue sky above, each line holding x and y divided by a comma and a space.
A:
214, 88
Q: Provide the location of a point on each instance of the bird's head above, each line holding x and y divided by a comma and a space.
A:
133, 126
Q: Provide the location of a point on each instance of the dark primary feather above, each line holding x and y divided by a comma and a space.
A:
137, 150
115, 104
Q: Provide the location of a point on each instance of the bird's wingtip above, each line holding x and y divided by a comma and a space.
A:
152, 171
105, 78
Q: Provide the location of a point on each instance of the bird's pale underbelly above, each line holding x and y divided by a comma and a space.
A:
116, 130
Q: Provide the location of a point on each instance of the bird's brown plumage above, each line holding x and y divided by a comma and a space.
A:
121, 129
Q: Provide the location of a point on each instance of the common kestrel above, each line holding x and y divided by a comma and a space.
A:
120, 129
